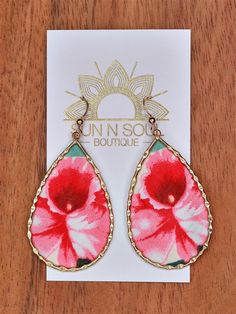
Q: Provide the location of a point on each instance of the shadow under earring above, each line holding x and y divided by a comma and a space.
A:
169, 219
71, 220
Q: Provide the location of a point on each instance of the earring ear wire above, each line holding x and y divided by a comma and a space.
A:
78, 127
154, 127
87, 106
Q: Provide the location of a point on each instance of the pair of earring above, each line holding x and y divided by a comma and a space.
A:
168, 216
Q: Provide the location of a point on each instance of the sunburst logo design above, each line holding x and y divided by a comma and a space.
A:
115, 81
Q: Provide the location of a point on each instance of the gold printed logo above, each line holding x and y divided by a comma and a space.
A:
115, 81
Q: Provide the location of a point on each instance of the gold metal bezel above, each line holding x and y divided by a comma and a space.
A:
131, 191
103, 186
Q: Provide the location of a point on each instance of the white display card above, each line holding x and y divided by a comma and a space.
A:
117, 133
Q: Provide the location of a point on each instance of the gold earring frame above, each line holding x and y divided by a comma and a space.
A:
157, 136
76, 136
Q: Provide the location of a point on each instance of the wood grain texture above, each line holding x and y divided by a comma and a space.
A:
23, 288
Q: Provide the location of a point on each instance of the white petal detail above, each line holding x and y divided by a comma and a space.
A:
80, 223
82, 240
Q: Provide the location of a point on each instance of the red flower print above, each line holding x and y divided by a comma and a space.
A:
64, 189
169, 219
71, 222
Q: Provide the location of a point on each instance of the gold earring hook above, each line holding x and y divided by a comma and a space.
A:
145, 99
155, 131
87, 106
80, 121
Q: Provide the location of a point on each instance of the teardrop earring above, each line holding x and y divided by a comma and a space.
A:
71, 220
169, 219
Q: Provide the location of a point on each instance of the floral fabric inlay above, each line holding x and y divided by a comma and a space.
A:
168, 215
71, 222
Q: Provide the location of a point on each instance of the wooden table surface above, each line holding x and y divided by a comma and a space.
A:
23, 288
